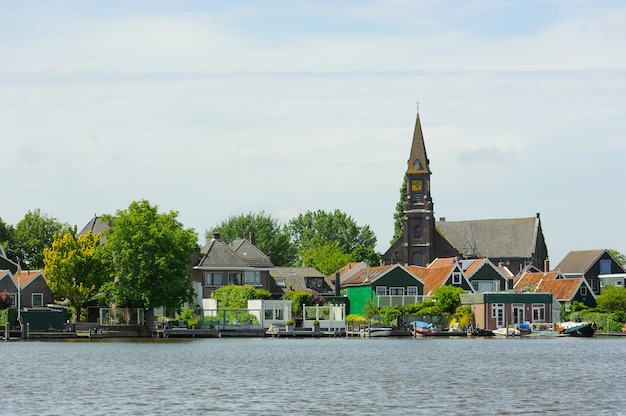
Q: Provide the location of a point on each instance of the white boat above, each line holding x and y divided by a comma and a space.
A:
376, 331
511, 332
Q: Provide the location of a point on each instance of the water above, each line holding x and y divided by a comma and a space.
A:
378, 376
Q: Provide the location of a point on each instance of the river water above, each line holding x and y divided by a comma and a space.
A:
327, 376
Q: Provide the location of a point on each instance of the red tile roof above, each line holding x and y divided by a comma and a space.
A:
561, 289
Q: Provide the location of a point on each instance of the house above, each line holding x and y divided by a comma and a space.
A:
6, 263
292, 279
497, 310
34, 290
238, 263
529, 281
566, 291
483, 275
7, 282
514, 241
390, 285
349, 270
442, 273
593, 265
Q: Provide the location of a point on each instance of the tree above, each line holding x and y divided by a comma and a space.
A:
73, 268
398, 215
308, 228
299, 298
612, 299
237, 297
271, 238
6, 240
365, 254
327, 257
448, 298
6, 300
34, 233
149, 254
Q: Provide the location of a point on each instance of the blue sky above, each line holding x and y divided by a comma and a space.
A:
215, 109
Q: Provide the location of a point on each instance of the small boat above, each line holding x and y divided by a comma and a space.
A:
510, 332
428, 330
376, 331
577, 329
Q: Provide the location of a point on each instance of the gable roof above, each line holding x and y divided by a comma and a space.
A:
578, 262
348, 271
96, 226
295, 278
250, 254
535, 279
563, 289
368, 275
26, 277
434, 277
505, 238
217, 254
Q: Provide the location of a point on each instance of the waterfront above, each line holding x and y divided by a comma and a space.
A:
266, 376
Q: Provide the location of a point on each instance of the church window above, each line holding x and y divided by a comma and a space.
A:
417, 233
417, 165
418, 258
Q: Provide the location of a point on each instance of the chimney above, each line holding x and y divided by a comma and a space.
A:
337, 284
252, 238
546, 265
442, 219
217, 237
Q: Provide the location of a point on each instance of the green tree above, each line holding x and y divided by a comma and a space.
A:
149, 254
237, 297
73, 268
612, 300
365, 254
34, 233
299, 298
398, 215
271, 238
6, 240
327, 257
448, 298
308, 229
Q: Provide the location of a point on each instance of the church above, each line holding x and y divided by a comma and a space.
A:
512, 242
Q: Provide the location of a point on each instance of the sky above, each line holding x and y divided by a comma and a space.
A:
214, 109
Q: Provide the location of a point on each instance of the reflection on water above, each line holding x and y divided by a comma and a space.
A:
314, 376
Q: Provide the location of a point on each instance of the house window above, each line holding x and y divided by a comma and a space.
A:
279, 282
396, 291
605, 266
518, 313
456, 278
213, 279
497, 313
539, 313
234, 278
37, 299
252, 278
381, 290
583, 290
411, 290
314, 282
481, 286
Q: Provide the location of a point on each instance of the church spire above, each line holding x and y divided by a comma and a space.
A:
418, 161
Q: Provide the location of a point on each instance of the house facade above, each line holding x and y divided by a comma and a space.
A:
498, 310
593, 265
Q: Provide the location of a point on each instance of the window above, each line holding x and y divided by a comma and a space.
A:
37, 299
605, 266
583, 290
411, 290
269, 314
396, 291
539, 313
518, 313
418, 259
481, 286
314, 282
417, 233
213, 279
456, 278
497, 313
252, 278
279, 282
234, 278
381, 290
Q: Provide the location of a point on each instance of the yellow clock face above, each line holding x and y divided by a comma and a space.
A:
416, 185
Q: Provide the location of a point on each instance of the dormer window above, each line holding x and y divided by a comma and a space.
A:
417, 165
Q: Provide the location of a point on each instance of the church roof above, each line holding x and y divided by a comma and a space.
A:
418, 151
505, 238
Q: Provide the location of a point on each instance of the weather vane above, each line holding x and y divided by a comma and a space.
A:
418, 106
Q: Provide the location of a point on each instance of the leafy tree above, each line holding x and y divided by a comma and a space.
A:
398, 215
619, 257
370, 310
34, 233
271, 238
308, 229
612, 299
73, 268
327, 257
6, 300
6, 240
365, 254
237, 297
149, 254
299, 298
448, 298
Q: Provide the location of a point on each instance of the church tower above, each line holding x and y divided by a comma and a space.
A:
419, 218
416, 245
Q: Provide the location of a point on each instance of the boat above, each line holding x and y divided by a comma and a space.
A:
376, 331
507, 332
577, 329
428, 330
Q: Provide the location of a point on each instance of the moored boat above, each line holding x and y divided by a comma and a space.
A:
510, 332
428, 330
577, 329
